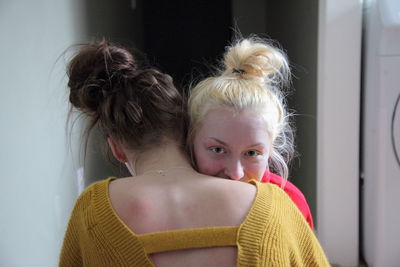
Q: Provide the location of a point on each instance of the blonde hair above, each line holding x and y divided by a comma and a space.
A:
253, 74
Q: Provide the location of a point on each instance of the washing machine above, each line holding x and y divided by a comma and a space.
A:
380, 149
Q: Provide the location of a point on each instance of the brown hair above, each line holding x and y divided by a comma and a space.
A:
136, 106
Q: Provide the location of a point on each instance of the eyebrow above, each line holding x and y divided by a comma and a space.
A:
223, 143
219, 141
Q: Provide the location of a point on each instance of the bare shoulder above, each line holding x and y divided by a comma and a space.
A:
238, 191
127, 201
150, 206
232, 200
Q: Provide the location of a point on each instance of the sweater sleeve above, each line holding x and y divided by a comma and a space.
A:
71, 254
293, 192
96, 237
299, 242
276, 231
77, 241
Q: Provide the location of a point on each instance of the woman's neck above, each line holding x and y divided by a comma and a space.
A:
164, 157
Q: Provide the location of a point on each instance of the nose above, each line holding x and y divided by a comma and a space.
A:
234, 170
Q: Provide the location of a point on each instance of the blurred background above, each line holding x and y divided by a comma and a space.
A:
345, 56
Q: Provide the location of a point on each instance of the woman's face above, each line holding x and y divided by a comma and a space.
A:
232, 145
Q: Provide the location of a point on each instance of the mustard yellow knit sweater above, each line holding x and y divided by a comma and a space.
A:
274, 233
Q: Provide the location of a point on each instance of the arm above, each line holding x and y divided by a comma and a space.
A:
295, 244
70, 252
293, 192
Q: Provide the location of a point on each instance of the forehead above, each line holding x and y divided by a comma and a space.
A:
231, 126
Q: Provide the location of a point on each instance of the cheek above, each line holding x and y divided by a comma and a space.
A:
209, 168
257, 170
205, 164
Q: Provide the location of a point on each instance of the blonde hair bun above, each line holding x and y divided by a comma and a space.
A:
253, 58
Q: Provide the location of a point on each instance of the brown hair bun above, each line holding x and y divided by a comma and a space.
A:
131, 104
94, 71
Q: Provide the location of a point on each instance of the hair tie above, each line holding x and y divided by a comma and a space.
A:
240, 71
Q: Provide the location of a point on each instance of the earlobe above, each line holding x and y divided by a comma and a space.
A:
117, 150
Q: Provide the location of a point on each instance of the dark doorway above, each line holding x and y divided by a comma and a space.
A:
182, 36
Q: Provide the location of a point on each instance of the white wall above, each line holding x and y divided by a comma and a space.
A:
37, 178
338, 122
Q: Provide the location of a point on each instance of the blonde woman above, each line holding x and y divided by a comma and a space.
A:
239, 126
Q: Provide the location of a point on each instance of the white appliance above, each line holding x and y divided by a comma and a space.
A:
381, 134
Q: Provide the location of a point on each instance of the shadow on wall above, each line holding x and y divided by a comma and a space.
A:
300, 41
118, 21
98, 165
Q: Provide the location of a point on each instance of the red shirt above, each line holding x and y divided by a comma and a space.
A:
293, 192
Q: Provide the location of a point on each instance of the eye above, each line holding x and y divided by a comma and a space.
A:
217, 150
252, 153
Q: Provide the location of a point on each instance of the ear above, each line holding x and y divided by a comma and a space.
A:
117, 150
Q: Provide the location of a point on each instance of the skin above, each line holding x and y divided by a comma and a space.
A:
232, 145
177, 199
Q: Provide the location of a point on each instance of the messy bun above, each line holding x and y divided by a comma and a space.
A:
92, 72
129, 103
253, 58
252, 77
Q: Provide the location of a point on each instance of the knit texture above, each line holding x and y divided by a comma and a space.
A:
274, 233
293, 192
